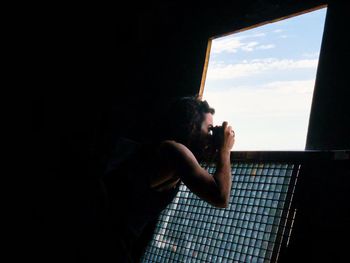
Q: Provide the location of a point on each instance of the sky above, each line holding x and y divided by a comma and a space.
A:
261, 82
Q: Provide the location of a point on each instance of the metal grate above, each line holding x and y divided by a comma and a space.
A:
251, 229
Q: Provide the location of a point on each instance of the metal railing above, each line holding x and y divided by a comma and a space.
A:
253, 228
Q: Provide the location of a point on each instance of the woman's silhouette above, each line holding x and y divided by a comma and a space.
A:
143, 178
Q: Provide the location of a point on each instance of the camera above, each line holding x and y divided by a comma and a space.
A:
217, 136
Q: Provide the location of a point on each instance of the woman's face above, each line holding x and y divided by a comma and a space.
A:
207, 123
200, 142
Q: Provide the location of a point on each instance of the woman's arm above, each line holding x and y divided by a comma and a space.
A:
212, 189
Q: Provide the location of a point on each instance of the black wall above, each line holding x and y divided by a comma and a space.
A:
329, 125
98, 72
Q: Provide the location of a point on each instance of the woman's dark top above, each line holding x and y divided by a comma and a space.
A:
130, 202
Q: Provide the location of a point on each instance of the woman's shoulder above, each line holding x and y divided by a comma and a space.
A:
173, 149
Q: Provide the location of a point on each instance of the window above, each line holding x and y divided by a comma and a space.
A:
261, 81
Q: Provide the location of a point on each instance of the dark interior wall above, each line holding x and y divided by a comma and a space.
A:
105, 71
329, 125
321, 218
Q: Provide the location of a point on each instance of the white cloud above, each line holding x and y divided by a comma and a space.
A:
265, 117
249, 46
233, 44
287, 96
252, 35
291, 87
263, 47
247, 68
278, 31
311, 54
230, 45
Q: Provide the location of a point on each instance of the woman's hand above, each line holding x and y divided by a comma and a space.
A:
228, 138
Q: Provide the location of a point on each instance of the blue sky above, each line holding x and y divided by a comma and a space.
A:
261, 81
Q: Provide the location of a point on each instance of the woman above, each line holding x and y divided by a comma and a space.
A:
146, 180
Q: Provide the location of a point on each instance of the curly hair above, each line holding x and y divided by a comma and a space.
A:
182, 120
